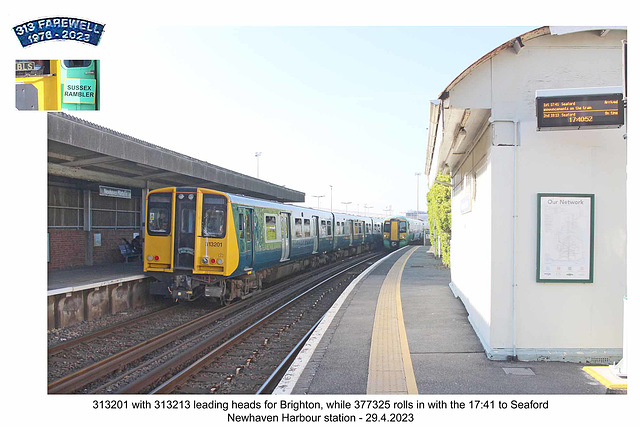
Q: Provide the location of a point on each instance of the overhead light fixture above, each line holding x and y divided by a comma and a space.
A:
517, 45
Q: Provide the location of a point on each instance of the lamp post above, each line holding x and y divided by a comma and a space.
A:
331, 186
346, 206
318, 197
418, 193
258, 154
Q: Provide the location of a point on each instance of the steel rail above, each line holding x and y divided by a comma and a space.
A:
273, 310
271, 382
93, 372
89, 374
53, 350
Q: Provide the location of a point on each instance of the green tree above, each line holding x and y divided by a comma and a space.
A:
439, 209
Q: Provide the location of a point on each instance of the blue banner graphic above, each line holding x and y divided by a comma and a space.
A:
45, 29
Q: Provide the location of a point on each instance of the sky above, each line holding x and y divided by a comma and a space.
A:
339, 112
345, 107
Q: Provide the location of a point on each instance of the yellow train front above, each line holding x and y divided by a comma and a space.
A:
190, 242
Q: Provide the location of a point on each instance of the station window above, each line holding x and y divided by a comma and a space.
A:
270, 228
159, 214
115, 213
307, 228
214, 215
65, 208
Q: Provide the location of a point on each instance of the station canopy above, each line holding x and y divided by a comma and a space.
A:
81, 150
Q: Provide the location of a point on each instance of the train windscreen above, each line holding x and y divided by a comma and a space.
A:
214, 216
159, 214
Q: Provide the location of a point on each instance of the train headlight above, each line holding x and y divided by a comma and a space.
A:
180, 196
205, 260
219, 260
190, 196
149, 258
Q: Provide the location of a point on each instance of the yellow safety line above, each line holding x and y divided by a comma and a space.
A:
594, 371
390, 367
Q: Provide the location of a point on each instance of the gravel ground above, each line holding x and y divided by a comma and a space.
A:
57, 336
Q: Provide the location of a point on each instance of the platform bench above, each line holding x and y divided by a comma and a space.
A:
128, 253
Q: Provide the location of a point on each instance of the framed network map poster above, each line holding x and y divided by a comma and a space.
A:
565, 238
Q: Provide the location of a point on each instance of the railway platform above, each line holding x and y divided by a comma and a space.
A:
88, 293
399, 329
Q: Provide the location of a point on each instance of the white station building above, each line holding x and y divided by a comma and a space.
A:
534, 137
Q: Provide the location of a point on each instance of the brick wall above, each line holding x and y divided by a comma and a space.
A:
66, 248
108, 252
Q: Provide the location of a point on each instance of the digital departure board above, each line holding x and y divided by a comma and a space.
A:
578, 111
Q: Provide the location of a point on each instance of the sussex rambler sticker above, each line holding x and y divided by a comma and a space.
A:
79, 91
45, 29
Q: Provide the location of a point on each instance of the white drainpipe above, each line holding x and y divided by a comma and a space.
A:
516, 132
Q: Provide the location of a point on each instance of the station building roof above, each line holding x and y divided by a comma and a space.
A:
78, 149
461, 120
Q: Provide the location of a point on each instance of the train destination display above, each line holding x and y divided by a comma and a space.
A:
577, 111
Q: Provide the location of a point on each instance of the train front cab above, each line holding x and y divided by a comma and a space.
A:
395, 233
190, 237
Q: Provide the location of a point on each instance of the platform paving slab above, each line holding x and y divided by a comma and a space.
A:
446, 355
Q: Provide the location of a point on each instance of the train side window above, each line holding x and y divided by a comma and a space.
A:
297, 228
241, 225
247, 227
159, 214
270, 228
307, 228
76, 63
328, 228
214, 215
323, 228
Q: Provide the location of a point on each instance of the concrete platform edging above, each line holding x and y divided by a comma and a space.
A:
68, 306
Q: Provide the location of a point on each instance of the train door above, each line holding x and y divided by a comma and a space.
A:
349, 231
285, 227
315, 233
185, 230
245, 236
79, 84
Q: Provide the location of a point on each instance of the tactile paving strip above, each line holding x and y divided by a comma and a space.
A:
390, 368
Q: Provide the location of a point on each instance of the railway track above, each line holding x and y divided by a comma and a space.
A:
141, 365
244, 362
